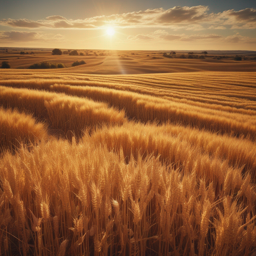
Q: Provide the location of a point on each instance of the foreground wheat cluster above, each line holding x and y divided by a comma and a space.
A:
138, 165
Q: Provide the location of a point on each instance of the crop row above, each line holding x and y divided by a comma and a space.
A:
16, 128
146, 108
60, 111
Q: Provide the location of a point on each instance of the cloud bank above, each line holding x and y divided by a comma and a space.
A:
163, 35
192, 18
25, 36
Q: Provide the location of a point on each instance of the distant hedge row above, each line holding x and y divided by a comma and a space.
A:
77, 63
46, 64
59, 52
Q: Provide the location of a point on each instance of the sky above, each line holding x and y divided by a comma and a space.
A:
138, 24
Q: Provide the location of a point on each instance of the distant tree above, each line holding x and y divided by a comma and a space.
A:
5, 64
81, 54
45, 64
34, 66
205, 53
238, 58
56, 52
22, 52
74, 52
191, 53
167, 55
173, 53
60, 65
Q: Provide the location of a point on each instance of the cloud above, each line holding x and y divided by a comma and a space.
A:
55, 17
169, 37
62, 24
247, 15
217, 27
140, 37
19, 36
237, 38
243, 19
22, 23
57, 37
67, 24
201, 37
163, 35
191, 18
183, 15
24, 36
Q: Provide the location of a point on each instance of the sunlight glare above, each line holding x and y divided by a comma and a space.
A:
110, 31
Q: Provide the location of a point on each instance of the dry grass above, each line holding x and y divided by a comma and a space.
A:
60, 111
148, 108
181, 184
96, 200
17, 128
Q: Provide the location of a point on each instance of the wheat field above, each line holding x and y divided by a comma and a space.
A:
147, 164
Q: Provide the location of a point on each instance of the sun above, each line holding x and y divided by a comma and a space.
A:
110, 31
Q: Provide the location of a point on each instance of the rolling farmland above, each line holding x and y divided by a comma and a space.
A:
141, 164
